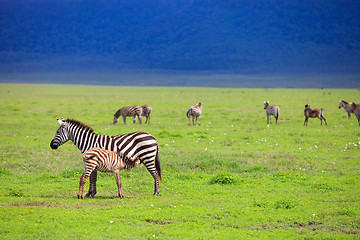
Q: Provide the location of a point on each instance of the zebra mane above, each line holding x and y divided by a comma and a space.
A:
117, 114
80, 124
345, 102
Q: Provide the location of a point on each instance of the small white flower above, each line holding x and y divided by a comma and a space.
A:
300, 148
315, 146
205, 149
111, 221
166, 144
314, 215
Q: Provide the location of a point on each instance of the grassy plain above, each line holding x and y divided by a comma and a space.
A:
233, 177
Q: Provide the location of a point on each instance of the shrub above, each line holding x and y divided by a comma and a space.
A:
222, 178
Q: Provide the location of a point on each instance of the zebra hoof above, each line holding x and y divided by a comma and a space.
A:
121, 196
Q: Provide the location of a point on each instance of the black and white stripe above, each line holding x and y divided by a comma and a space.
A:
347, 107
194, 111
271, 110
132, 111
136, 145
104, 161
146, 111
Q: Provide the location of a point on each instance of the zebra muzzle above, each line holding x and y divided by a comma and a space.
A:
53, 145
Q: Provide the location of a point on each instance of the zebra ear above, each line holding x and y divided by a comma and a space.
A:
61, 122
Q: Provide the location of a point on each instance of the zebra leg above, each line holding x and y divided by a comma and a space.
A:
134, 119
83, 180
349, 116
150, 166
92, 188
118, 183
193, 120
267, 118
276, 117
320, 119
306, 121
199, 121
124, 118
324, 120
139, 117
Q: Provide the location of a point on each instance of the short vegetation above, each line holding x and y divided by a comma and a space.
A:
232, 177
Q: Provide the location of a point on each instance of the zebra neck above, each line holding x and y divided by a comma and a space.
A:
83, 139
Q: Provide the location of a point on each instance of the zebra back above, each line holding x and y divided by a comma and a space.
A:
129, 111
194, 110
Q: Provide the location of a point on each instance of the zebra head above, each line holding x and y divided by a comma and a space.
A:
61, 136
266, 104
343, 104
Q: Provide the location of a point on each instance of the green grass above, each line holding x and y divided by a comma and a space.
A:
233, 177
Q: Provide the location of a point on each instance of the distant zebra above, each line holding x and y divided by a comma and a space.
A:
134, 146
146, 111
355, 108
271, 110
313, 113
104, 161
133, 111
346, 106
194, 111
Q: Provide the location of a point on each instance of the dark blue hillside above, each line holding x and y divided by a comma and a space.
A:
246, 37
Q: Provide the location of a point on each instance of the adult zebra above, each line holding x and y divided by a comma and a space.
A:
131, 111
136, 145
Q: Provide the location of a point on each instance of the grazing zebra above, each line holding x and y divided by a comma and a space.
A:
271, 110
194, 111
136, 145
146, 111
104, 161
313, 113
346, 106
132, 111
355, 108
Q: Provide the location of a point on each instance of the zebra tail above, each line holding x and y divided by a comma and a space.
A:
157, 163
188, 113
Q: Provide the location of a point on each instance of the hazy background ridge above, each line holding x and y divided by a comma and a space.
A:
293, 40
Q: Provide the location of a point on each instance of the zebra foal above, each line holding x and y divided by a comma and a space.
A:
271, 110
194, 111
132, 111
313, 113
355, 108
104, 161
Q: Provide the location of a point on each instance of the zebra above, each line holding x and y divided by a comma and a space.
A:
131, 111
134, 145
271, 110
146, 111
313, 113
104, 161
347, 107
194, 111
355, 108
